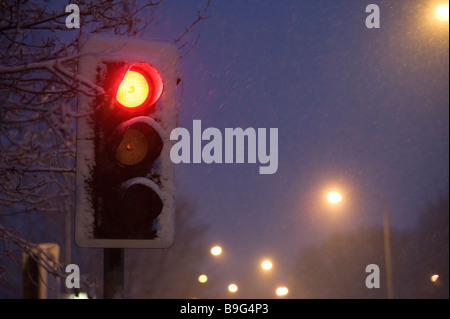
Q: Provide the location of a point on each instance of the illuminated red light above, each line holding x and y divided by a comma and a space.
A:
133, 90
141, 86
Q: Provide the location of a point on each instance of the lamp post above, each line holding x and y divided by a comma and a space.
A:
335, 197
387, 249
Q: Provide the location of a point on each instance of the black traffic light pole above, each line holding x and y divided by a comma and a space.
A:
113, 273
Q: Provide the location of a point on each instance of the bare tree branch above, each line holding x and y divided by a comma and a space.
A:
39, 83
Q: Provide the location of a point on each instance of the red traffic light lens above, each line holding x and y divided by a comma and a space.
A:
141, 86
133, 90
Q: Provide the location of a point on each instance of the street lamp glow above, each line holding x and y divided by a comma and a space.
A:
282, 291
334, 197
216, 250
202, 279
434, 278
266, 264
232, 288
442, 12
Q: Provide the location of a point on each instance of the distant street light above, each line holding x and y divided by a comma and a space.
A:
335, 197
442, 12
282, 291
434, 278
232, 288
266, 264
202, 279
216, 250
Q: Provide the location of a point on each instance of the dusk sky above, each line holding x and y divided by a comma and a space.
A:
362, 110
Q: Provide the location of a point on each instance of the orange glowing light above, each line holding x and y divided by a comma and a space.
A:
434, 278
202, 279
266, 265
216, 250
133, 90
282, 291
334, 197
233, 288
442, 12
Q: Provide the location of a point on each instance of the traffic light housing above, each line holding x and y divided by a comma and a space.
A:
125, 178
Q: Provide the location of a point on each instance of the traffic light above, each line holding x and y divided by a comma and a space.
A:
125, 178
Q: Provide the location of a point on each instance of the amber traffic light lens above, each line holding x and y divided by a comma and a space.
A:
133, 148
135, 143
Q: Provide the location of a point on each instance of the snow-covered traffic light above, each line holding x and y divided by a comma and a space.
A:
125, 178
